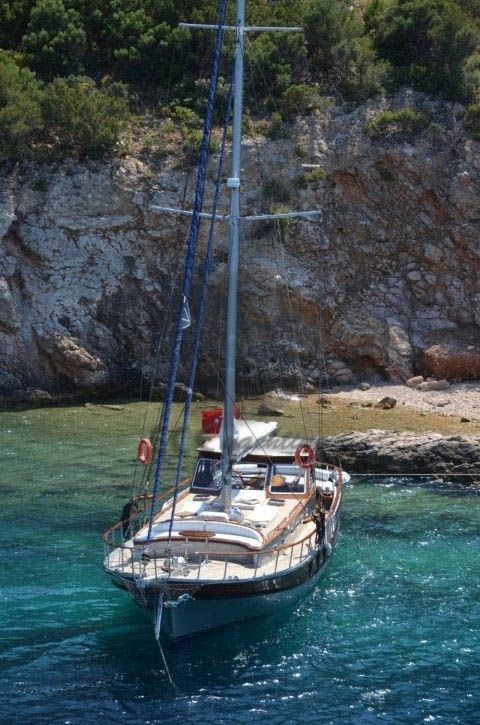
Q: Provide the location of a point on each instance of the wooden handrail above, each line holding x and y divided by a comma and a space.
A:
144, 497
329, 514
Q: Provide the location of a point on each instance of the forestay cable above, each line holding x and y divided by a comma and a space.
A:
202, 302
190, 258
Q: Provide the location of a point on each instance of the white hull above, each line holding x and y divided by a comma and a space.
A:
181, 619
201, 584
194, 617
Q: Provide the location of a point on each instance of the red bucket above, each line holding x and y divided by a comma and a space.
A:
212, 419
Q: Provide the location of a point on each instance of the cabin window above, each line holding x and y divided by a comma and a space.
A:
207, 476
287, 479
249, 476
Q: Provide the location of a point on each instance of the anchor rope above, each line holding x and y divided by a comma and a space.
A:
190, 257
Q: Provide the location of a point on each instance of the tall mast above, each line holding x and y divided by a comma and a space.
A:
233, 183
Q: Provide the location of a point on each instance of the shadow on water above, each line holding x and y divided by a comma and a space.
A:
130, 645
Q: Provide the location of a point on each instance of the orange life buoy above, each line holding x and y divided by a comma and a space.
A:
145, 451
304, 455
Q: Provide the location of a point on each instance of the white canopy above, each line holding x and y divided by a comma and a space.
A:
248, 434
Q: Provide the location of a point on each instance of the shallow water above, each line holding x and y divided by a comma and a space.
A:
391, 634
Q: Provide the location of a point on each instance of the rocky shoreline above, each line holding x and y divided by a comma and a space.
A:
458, 400
454, 459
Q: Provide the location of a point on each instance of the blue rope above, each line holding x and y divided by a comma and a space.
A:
190, 258
207, 264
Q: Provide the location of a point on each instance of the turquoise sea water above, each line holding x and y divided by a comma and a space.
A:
392, 634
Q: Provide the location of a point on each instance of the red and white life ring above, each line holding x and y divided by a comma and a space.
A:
304, 455
145, 451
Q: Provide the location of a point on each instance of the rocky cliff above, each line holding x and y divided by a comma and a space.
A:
388, 270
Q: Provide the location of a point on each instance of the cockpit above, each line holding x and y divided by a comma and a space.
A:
276, 479
208, 476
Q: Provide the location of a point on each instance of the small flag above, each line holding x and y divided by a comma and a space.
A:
185, 320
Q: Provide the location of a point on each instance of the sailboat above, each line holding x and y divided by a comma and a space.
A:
252, 529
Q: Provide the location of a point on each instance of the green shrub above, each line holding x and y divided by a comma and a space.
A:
139, 36
190, 147
185, 117
82, 119
55, 40
301, 151
153, 145
428, 42
327, 24
339, 49
405, 121
273, 61
276, 190
261, 127
277, 128
21, 122
471, 76
472, 121
298, 100
14, 16
311, 178
358, 72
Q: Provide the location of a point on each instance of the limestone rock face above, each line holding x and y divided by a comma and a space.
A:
89, 272
8, 314
70, 360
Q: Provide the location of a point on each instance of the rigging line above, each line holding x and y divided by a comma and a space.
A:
267, 86
157, 621
160, 343
277, 295
319, 362
190, 259
279, 231
257, 106
173, 430
170, 300
262, 176
320, 406
222, 383
174, 281
221, 334
415, 475
290, 314
203, 296
181, 13
322, 360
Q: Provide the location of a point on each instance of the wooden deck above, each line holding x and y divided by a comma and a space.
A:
206, 566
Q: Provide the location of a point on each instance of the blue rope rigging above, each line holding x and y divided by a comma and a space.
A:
207, 264
190, 258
